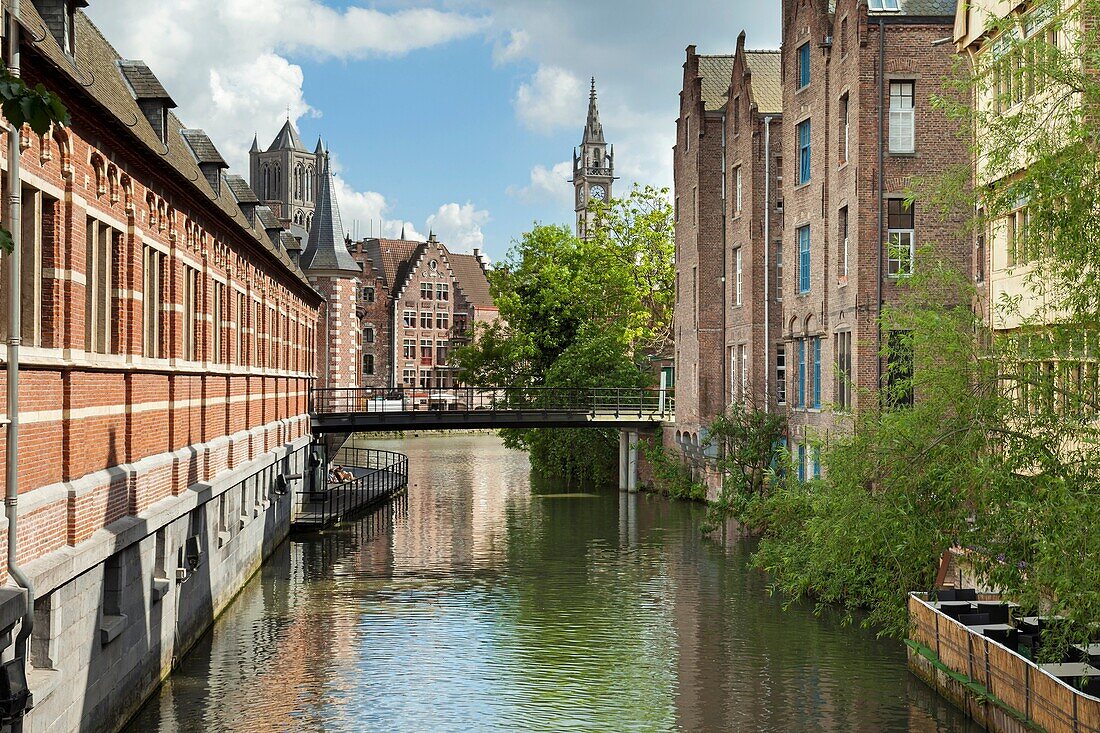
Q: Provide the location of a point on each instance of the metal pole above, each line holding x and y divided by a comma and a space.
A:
767, 258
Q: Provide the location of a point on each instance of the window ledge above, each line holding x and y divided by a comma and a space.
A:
110, 627
43, 682
912, 154
223, 537
800, 186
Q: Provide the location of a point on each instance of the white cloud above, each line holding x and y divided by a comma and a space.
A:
459, 226
550, 100
514, 49
547, 184
372, 212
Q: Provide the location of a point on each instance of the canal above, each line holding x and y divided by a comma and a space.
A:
484, 601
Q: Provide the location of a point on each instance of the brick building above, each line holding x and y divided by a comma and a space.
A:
418, 299
168, 348
859, 127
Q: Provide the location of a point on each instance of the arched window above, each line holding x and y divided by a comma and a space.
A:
299, 218
266, 175
309, 221
309, 183
298, 182
278, 187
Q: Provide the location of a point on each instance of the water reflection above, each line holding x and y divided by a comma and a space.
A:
483, 601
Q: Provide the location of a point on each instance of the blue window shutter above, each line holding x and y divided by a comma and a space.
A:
804, 65
804, 152
801, 462
817, 461
802, 372
817, 373
804, 259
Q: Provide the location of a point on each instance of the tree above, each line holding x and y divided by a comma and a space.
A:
579, 314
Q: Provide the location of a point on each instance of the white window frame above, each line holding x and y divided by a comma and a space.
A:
737, 277
903, 133
737, 190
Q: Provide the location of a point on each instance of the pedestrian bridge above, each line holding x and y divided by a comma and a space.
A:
366, 409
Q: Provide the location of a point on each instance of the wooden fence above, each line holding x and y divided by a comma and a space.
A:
1011, 679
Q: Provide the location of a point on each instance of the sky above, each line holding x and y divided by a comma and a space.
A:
458, 116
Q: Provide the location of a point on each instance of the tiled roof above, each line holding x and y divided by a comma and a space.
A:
98, 72
716, 72
471, 279
767, 81
929, 8
390, 258
288, 139
267, 218
203, 148
289, 241
242, 191
143, 81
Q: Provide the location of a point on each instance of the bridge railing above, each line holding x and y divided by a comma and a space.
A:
374, 475
611, 401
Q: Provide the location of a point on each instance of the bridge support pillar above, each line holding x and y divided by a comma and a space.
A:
624, 459
632, 462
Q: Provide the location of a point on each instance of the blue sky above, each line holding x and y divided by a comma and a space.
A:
449, 115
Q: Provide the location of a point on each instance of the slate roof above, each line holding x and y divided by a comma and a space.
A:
929, 8
267, 219
242, 191
326, 249
716, 72
98, 73
471, 279
203, 148
289, 241
767, 81
287, 139
143, 81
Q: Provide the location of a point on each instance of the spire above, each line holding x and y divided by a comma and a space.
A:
326, 250
593, 130
287, 139
402, 232
255, 144
320, 149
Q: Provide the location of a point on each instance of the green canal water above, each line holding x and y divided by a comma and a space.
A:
484, 601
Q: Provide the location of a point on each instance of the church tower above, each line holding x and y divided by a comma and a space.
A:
285, 177
593, 168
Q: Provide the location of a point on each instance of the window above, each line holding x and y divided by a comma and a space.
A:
687, 134
880, 5
979, 257
737, 115
408, 377
426, 291
368, 294
737, 279
99, 253
737, 190
801, 402
900, 239
733, 373
743, 359
842, 239
804, 65
1018, 233
39, 228
272, 339
695, 205
781, 374
843, 347
426, 350
442, 291
804, 152
368, 335
425, 379
238, 347
425, 319
804, 259
676, 209
778, 271
152, 303
843, 37
190, 312
442, 320
217, 300
408, 348
902, 132
843, 144
409, 319
441, 352
899, 369
802, 462
695, 295
817, 372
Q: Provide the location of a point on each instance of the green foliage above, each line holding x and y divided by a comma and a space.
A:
22, 105
579, 314
671, 476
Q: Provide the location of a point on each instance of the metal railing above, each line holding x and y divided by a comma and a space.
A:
646, 403
376, 475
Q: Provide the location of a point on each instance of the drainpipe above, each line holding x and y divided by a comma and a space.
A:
767, 257
881, 191
15, 317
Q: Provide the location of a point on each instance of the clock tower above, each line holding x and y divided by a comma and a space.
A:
593, 168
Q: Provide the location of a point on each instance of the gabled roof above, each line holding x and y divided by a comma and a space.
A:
287, 139
143, 82
471, 279
390, 258
326, 249
98, 76
767, 81
716, 72
267, 218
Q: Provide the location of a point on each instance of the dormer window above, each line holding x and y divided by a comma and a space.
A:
883, 5
60, 17
150, 95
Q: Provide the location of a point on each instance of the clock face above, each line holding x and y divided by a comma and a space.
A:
599, 193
